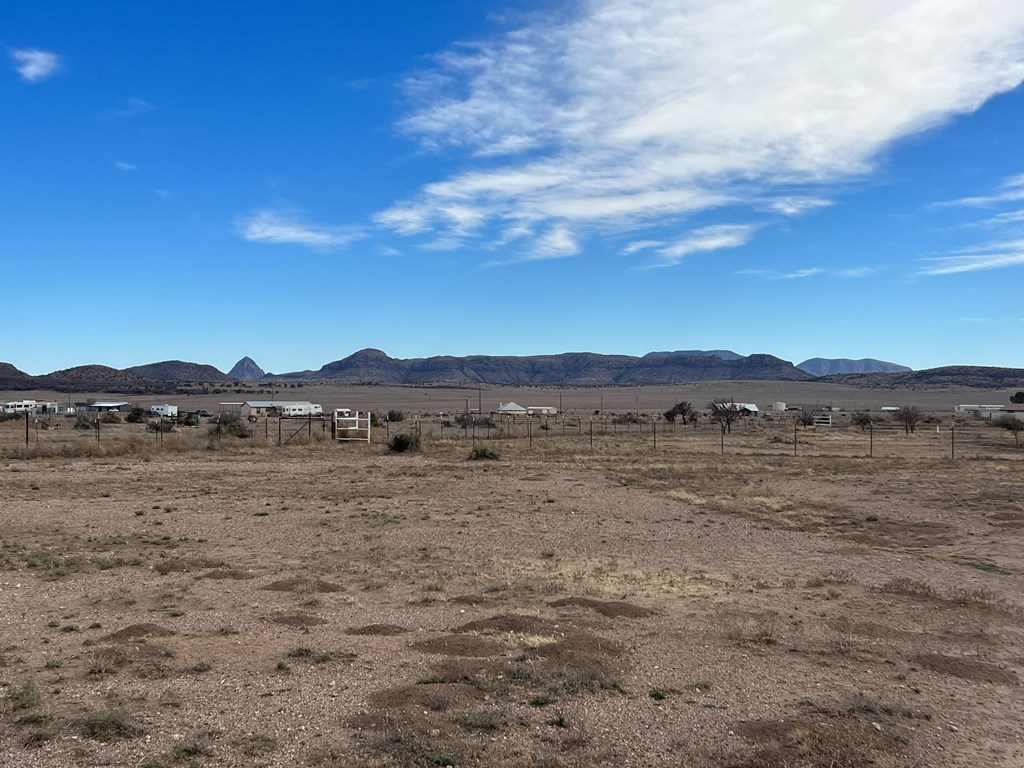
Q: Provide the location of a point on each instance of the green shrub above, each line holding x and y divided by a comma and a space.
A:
394, 415
85, 421
135, 416
481, 453
230, 424
403, 443
110, 418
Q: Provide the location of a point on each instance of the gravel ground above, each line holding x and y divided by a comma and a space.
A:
323, 606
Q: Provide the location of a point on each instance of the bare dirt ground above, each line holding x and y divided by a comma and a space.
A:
236, 603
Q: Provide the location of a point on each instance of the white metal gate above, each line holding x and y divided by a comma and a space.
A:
351, 425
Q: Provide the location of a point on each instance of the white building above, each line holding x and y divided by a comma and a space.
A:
511, 409
541, 410
256, 408
170, 411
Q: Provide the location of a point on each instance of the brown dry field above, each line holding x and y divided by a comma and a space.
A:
203, 602
653, 399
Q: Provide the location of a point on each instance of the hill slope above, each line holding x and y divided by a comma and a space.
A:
177, 370
246, 370
824, 366
948, 377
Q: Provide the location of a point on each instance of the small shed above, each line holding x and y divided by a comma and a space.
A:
541, 410
747, 409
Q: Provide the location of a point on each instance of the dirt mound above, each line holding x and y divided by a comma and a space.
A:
226, 574
135, 631
611, 608
416, 708
832, 741
377, 629
461, 671
184, 564
586, 655
300, 584
297, 619
459, 645
968, 669
510, 622
437, 698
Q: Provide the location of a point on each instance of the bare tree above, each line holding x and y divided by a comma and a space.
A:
805, 417
724, 413
683, 410
1014, 425
908, 416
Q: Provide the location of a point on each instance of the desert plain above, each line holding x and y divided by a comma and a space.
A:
634, 595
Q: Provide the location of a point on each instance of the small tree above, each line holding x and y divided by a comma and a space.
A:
1017, 398
805, 417
395, 415
683, 410
1014, 425
908, 416
724, 413
862, 420
135, 416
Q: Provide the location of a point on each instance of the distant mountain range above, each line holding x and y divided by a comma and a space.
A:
575, 369
948, 377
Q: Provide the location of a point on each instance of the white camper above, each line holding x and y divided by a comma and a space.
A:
168, 411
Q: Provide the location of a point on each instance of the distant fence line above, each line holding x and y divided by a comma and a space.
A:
750, 436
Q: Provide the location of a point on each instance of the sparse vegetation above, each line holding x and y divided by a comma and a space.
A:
724, 413
404, 443
683, 410
908, 417
109, 722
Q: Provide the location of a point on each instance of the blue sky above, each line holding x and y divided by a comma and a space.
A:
297, 181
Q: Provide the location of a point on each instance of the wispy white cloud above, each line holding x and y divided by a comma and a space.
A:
642, 245
800, 273
1008, 253
796, 274
625, 114
795, 206
713, 238
1010, 190
556, 243
853, 272
123, 166
34, 65
269, 226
